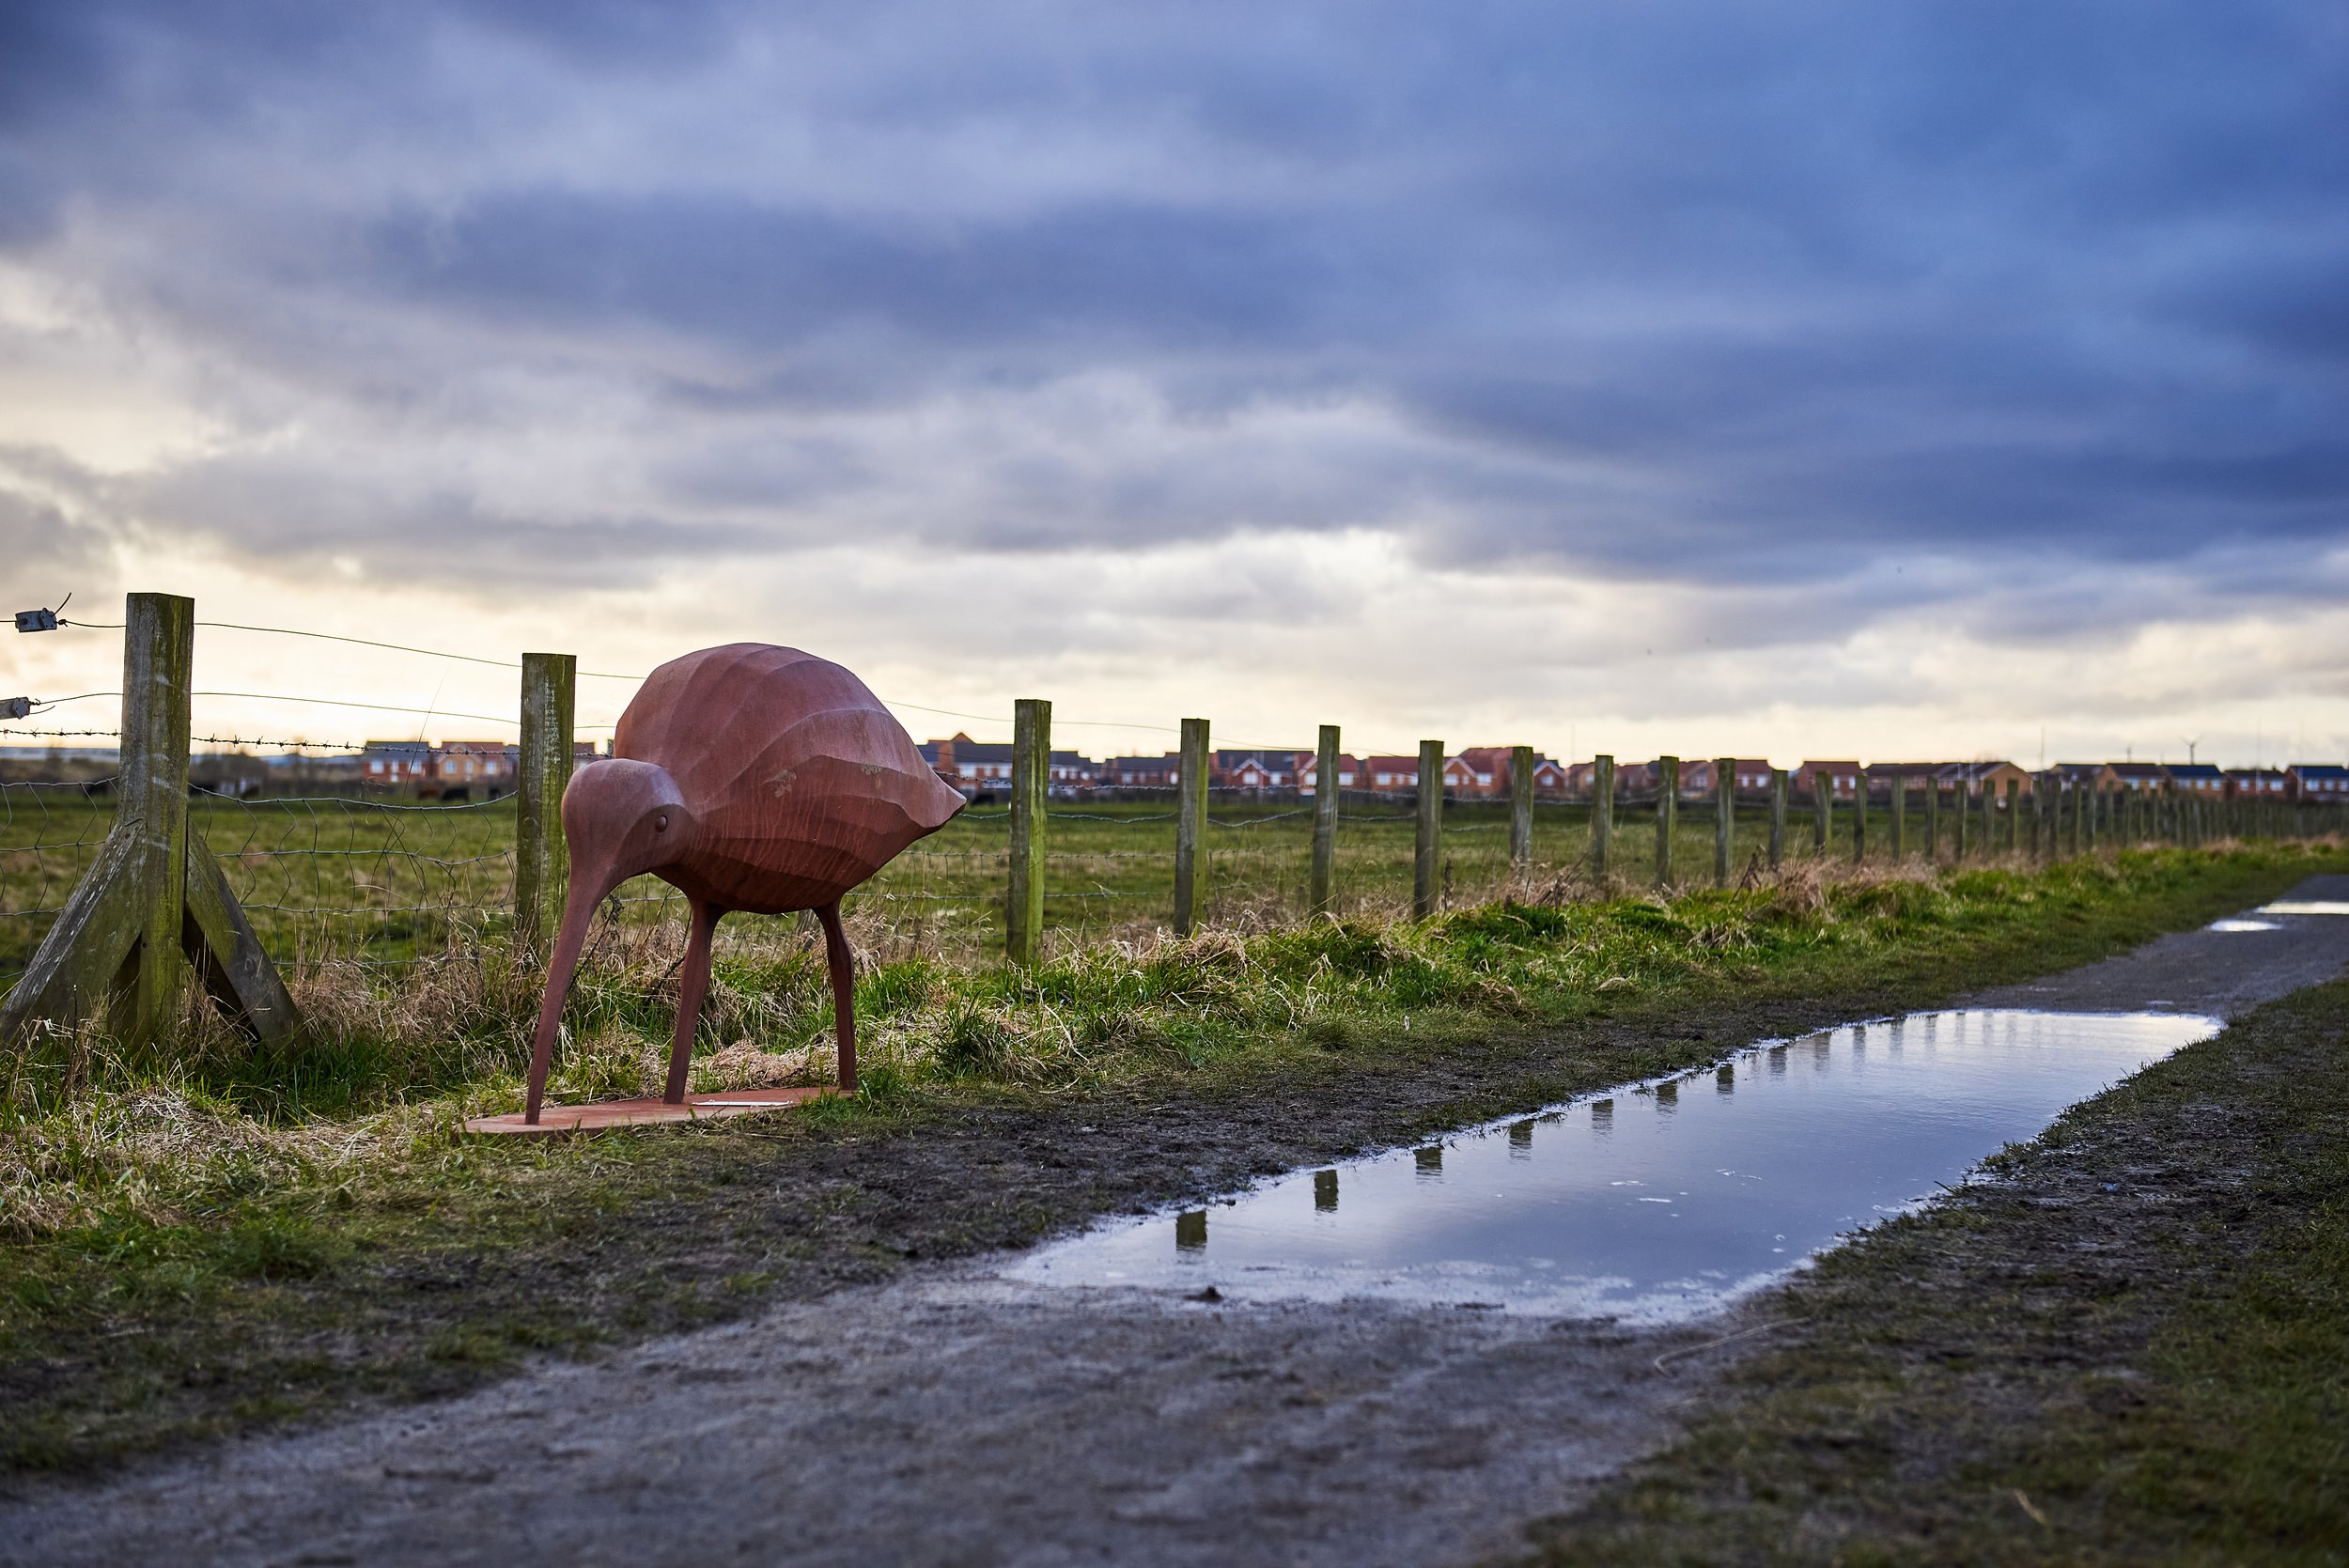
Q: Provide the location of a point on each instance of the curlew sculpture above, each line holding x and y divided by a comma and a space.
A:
747, 777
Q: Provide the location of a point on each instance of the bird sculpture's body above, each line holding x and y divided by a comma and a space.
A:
748, 777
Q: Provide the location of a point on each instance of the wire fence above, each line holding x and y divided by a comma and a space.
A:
388, 882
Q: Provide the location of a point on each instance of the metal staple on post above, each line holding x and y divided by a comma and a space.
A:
542, 770
1318, 892
1031, 789
1428, 857
1190, 822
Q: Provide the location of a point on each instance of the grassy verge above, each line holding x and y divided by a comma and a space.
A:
2132, 1348
217, 1239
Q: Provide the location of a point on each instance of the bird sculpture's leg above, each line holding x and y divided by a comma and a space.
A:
842, 992
693, 986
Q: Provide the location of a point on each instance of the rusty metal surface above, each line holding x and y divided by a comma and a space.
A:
748, 777
554, 1119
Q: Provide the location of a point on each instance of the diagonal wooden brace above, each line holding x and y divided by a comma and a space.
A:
89, 948
227, 956
93, 955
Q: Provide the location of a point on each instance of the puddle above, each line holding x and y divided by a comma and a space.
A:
2303, 907
2241, 925
1654, 1202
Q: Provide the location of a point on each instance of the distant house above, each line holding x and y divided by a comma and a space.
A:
2087, 775
1917, 776
2258, 783
1973, 778
2143, 777
1752, 775
970, 765
1257, 770
1309, 773
2205, 779
2319, 782
1482, 770
1391, 775
1842, 779
1142, 772
1550, 776
462, 767
1071, 773
396, 764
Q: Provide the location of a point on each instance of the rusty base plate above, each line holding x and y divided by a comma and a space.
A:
555, 1119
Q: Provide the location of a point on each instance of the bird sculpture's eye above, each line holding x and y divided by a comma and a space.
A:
661, 823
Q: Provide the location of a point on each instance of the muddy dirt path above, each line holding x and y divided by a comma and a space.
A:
955, 1416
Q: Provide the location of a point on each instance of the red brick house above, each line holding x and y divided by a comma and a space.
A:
1842, 779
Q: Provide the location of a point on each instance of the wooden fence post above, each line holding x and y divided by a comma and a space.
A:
1427, 858
1667, 816
154, 898
1933, 820
1521, 809
158, 674
542, 769
1822, 810
1860, 818
1318, 894
1190, 822
1031, 789
1961, 810
1900, 819
1778, 817
1724, 815
2014, 815
1602, 814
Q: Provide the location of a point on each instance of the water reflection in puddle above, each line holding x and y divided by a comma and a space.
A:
2303, 907
2237, 923
1654, 1202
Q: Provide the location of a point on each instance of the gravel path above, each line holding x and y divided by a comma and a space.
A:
954, 1418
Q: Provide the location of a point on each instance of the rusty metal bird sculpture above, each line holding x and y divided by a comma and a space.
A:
747, 777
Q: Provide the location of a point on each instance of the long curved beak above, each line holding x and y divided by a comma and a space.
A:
589, 883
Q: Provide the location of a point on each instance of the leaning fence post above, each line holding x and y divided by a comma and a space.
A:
541, 860
1724, 815
1667, 816
1031, 788
158, 671
1325, 821
1602, 814
1190, 822
1427, 858
1778, 817
1521, 809
153, 895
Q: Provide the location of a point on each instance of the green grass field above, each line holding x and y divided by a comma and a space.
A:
385, 882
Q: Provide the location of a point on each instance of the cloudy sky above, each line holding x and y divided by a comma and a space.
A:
1792, 379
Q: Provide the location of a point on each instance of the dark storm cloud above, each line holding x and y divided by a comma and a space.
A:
1733, 293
